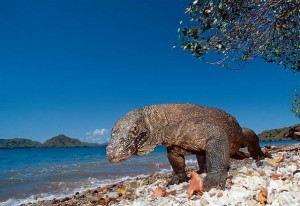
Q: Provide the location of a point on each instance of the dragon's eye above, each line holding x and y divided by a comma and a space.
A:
134, 129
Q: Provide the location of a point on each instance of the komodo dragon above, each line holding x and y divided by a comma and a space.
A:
293, 133
211, 134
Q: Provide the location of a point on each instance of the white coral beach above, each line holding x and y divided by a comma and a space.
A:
280, 177
273, 182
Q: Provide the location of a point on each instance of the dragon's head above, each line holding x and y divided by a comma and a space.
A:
128, 137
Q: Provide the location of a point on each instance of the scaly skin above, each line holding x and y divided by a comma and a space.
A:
293, 133
209, 133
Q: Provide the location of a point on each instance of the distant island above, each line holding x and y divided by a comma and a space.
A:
57, 141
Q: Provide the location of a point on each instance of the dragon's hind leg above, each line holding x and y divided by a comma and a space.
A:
217, 160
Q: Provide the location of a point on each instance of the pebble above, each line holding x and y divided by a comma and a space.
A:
81, 196
203, 201
134, 185
55, 201
86, 191
65, 199
113, 195
95, 199
251, 203
295, 188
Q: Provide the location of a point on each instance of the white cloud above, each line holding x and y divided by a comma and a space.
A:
97, 132
97, 136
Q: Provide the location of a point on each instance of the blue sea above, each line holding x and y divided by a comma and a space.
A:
44, 173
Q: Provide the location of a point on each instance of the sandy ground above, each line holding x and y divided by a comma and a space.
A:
266, 182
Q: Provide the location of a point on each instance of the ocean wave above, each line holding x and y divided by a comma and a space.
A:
191, 162
33, 198
63, 189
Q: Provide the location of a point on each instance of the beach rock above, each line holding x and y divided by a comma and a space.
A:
212, 192
130, 196
296, 171
87, 191
112, 202
81, 196
55, 201
112, 195
95, 199
65, 199
285, 198
71, 202
134, 185
203, 201
102, 190
251, 203
245, 170
95, 191
163, 202
295, 188
297, 175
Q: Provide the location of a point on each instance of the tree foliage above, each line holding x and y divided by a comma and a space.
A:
296, 103
226, 31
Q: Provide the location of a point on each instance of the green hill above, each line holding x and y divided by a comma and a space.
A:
18, 143
64, 141
58, 141
274, 134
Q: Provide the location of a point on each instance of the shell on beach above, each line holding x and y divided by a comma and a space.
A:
196, 184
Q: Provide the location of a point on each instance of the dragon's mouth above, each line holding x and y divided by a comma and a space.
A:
117, 159
145, 150
117, 154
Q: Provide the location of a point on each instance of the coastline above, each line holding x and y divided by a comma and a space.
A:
279, 177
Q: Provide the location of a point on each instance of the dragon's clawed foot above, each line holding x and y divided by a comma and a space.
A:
215, 180
178, 178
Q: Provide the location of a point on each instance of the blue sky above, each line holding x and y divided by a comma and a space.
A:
75, 67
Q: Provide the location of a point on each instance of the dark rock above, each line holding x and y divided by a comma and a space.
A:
55, 201
295, 172
65, 199
81, 196
259, 163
